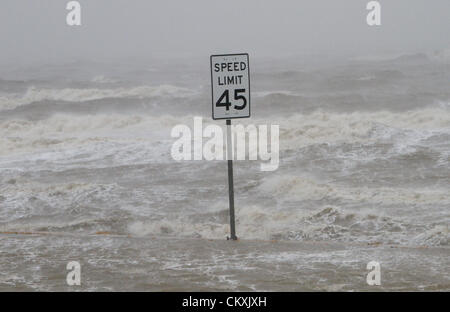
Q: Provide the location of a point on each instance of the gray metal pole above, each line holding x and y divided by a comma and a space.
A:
230, 181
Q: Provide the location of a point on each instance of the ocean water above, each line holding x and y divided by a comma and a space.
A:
86, 175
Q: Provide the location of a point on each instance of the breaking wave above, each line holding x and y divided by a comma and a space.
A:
63, 130
324, 224
298, 188
33, 94
296, 131
325, 127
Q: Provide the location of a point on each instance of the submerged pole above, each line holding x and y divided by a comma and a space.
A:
230, 181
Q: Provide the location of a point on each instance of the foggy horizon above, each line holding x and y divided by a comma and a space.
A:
36, 32
224, 146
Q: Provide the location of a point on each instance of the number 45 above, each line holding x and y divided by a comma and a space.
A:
224, 99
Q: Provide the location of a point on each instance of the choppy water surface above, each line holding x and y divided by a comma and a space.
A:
364, 175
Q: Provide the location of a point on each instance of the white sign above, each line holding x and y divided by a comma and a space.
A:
230, 83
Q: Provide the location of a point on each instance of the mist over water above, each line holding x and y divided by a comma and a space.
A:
86, 172
364, 161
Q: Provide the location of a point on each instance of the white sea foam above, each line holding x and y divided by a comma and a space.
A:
327, 223
326, 127
33, 94
267, 93
437, 236
290, 187
252, 220
64, 131
102, 79
40, 200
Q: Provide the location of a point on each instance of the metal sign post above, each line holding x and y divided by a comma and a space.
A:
230, 88
230, 181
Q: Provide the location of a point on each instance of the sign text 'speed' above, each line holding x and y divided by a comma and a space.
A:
229, 67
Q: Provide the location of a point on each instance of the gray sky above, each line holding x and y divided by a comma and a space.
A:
36, 31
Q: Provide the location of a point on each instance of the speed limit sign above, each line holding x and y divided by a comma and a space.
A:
230, 84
